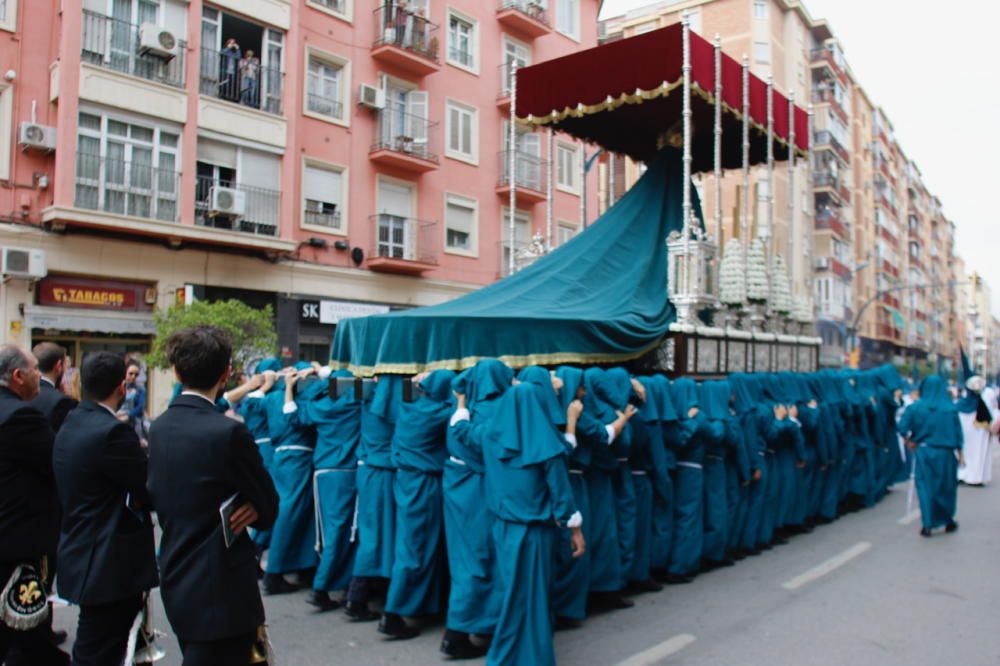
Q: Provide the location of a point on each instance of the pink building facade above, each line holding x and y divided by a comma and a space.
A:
355, 161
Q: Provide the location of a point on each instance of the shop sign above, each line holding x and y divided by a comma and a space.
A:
94, 294
331, 312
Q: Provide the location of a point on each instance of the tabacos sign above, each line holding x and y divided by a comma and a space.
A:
95, 294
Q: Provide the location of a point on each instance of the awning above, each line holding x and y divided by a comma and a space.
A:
625, 95
89, 321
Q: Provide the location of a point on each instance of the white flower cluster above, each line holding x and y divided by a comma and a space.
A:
781, 296
803, 309
732, 274
756, 272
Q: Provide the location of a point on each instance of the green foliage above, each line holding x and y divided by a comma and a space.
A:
254, 335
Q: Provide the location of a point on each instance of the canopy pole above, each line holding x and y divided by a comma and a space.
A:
686, 187
810, 213
791, 188
512, 167
611, 180
745, 208
718, 140
583, 186
548, 192
769, 240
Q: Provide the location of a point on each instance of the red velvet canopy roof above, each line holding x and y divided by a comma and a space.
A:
625, 95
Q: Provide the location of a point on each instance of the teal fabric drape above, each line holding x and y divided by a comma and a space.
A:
601, 297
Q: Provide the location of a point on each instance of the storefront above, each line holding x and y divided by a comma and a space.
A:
306, 325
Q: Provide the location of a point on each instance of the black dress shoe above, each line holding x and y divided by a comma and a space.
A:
658, 574
457, 645
649, 585
394, 626
951, 527
566, 623
678, 579
718, 564
321, 600
609, 601
358, 611
276, 584
924, 532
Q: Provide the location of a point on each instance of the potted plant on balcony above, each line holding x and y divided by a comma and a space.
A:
404, 143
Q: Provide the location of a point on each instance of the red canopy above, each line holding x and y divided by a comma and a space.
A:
625, 95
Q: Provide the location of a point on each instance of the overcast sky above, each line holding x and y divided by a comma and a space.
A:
935, 71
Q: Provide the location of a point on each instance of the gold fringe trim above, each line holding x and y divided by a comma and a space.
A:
638, 97
557, 358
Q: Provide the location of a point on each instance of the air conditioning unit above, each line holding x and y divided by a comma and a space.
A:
40, 137
822, 262
227, 201
370, 96
157, 41
27, 264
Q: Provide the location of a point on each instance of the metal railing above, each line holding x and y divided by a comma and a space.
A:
318, 219
535, 10
505, 79
261, 210
324, 106
462, 57
407, 30
404, 238
242, 81
406, 133
114, 44
339, 6
529, 170
126, 188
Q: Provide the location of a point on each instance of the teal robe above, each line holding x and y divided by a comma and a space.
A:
714, 399
689, 488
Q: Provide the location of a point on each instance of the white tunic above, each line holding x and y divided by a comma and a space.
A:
977, 451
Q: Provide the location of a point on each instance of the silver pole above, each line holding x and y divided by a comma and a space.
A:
770, 188
548, 191
745, 212
611, 180
791, 186
512, 166
809, 214
718, 140
686, 182
583, 186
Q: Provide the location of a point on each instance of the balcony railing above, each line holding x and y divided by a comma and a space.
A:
404, 238
826, 96
241, 81
324, 106
532, 8
529, 170
505, 79
395, 26
462, 57
114, 44
406, 133
525, 253
261, 210
339, 6
126, 188
318, 219
826, 138
832, 222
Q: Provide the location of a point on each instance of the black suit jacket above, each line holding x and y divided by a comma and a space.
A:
53, 404
198, 459
105, 548
29, 508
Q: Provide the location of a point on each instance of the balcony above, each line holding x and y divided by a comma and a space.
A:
403, 245
404, 142
824, 140
526, 17
832, 221
114, 44
503, 96
525, 253
406, 40
260, 214
824, 57
240, 81
826, 96
529, 171
324, 106
126, 188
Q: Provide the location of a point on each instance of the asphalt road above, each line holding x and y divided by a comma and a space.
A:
866, 590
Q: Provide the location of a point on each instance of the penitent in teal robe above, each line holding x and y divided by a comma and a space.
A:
527, 489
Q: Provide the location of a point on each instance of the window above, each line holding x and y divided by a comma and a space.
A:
567, 167
522, 238
760, 9
514, 52
325, 88
127, 168
461, 41
694, 19
762, 53
395, 231
566, 231
224, 72
568, 18
460, 215
322, 194
339, 8
403, 124
462, 132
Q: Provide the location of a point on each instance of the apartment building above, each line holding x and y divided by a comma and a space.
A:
326, 157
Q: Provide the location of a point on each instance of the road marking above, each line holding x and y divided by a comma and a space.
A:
830, 565
909, 518
660, 651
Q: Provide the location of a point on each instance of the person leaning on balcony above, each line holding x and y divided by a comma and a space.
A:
250, 79
228, 79
400, 17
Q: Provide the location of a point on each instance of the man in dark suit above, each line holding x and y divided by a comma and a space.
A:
200, 459
29, 508
107, 561
51, 401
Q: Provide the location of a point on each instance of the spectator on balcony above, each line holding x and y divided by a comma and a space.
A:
250, 79
231, 55
399, 19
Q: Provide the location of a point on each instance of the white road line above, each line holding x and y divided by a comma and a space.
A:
831, 564
660, 651
909, 518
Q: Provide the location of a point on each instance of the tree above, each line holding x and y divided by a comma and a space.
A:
253, 332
